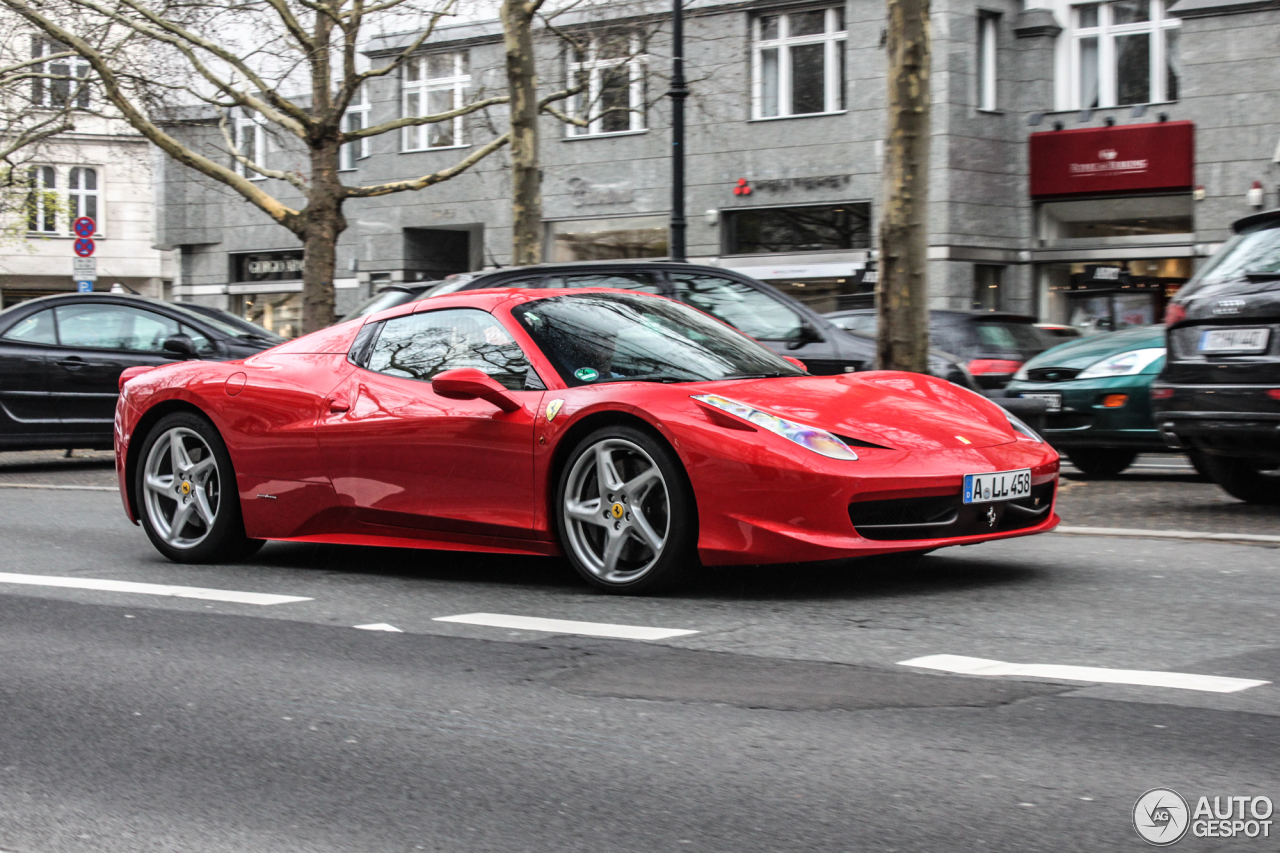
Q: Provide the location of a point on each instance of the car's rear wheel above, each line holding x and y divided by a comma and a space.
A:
186, 492
1197, 460
1101, 461
1250, 480
626, 514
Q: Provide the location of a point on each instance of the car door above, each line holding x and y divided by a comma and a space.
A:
399, 454
27, 407
96, 342
770, 321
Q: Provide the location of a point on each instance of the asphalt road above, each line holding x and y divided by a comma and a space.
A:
134, 722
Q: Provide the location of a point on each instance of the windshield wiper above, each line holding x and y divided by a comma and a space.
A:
758, 375
1263, 275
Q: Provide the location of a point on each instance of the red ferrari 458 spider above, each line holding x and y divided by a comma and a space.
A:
633, 434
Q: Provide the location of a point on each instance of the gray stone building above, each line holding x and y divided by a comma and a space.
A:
1085, 156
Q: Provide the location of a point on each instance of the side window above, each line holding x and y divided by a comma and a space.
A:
36, 329
418, 346
740, 305
204, 346
641, 281
113, 327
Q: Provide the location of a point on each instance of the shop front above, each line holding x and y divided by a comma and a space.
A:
1115, 231
266, 288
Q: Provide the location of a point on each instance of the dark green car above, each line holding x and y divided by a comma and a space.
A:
1098, 392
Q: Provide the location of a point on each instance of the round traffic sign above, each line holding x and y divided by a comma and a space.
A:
84, 247
84, 226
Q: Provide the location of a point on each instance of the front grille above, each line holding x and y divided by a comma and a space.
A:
947, 516
1068, 420
1052, 374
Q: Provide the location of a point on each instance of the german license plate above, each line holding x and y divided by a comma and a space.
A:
1000, 486
1053, 402
1234, 340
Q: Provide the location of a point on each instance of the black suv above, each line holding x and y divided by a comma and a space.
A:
1219, 392
61, 358
776, 320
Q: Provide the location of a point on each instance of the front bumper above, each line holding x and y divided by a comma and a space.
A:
1085, 422
1228, 420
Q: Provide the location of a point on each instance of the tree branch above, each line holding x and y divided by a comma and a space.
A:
427, 180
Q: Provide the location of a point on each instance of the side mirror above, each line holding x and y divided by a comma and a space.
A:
467, 383
180, 345
806, 335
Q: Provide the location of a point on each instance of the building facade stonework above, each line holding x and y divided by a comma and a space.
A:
784, 149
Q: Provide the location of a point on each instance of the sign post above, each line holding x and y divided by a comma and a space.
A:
84, 265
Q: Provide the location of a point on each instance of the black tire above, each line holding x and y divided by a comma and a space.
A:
1197, 460
1246, 479
1101, 461
224, 540
581, 538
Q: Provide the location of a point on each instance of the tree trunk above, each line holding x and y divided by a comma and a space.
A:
903, 288
322, 223
526, 176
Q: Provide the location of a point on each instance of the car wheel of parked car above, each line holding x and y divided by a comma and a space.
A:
1101, 461
1196, 458
186, 493
627, 518
1247, 479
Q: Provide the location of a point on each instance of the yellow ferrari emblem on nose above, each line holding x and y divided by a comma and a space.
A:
186, 487
964, 440
553, 409
617, 510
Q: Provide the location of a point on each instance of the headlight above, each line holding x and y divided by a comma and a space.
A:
1021, 375
1019, 426
1125, 364
818, 440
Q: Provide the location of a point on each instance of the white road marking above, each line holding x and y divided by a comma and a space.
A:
379, 626
565, 626
1167, 534
1145, 678
151, 589
71, 488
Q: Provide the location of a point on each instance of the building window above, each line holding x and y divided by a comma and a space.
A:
42, 204
67, 83
1124, 52
434, 84
986, 64
251, 142
988, 283
812, 228
82, 194
797, 62
607, 239
356, 118
610, 70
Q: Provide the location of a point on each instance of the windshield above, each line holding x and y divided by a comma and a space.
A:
1012, 336
613, 337
1253, 251
381, 302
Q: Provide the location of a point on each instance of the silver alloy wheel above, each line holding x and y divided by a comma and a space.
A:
181, 488
617, 510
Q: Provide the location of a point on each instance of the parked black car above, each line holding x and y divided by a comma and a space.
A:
779, 322
61, 358
391, 296
1219, 392
993, 345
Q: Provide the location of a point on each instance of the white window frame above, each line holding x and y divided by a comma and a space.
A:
418, 137
42, 88
835, 41
245, 125
356, 118
40, 189
79, 194
587, 105
1106, 33
987, 65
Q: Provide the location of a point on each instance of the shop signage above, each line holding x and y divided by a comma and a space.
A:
810, 182
586, 193
267, 266
1151, 157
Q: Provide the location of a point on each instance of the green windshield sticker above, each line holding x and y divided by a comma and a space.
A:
586, 374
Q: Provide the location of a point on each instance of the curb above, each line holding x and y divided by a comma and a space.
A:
45, 486
1255, 538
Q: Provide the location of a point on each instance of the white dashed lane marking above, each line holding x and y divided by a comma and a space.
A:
1100, 675
151, 589
379, 626
565, 626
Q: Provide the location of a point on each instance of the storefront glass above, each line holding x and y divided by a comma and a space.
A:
616, 238
1105, 297
279, 312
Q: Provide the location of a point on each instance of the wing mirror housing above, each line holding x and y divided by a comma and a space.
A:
467, 383
807, 335
180, 345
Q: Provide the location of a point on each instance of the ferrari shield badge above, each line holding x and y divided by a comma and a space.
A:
553, 409
586, 374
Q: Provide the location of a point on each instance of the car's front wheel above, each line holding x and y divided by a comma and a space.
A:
1250, 480
626, 514
1101, 461
186, 492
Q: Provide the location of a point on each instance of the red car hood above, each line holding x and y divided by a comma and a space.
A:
903, 411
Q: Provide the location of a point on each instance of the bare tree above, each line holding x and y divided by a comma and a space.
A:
903, 287
248, 57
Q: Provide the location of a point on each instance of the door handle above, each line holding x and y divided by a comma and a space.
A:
72, 363
337, 406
